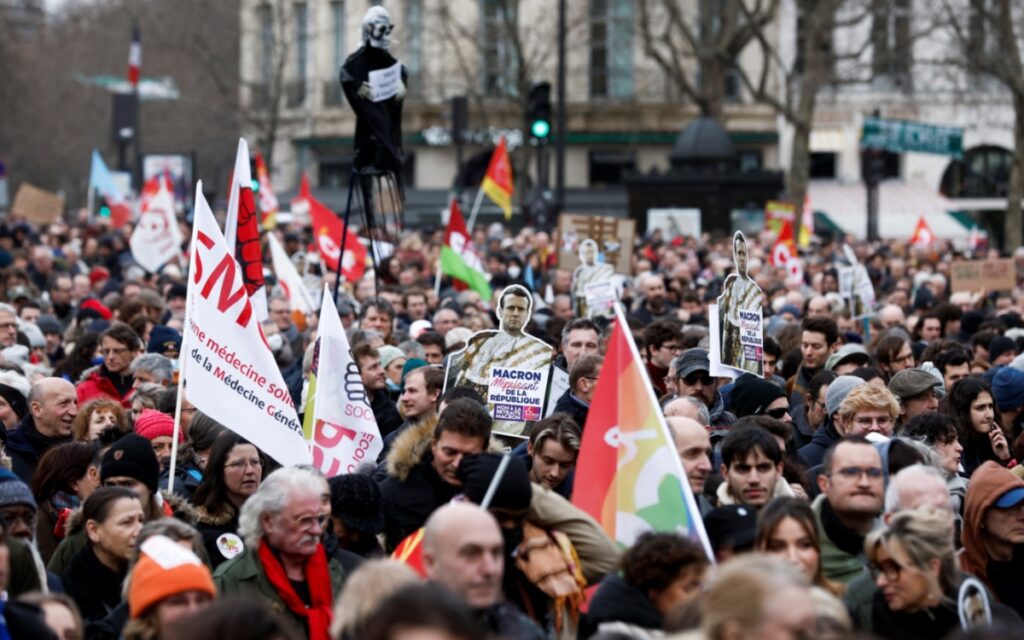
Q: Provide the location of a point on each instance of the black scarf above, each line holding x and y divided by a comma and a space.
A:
843, 537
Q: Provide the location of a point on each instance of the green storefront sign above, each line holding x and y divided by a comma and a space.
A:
901, 136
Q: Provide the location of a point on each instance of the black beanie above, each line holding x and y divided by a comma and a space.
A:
751, 395
14, 398
514, 492
132, 456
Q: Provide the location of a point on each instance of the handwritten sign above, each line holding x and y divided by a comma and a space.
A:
998, 274
517, 394
384, 82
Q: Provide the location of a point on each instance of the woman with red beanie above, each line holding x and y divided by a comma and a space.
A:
158, 428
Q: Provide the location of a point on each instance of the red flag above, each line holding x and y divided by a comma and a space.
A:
784, 247
497, 183
327, 230
135, 58
268, 201
242, 231
923, 237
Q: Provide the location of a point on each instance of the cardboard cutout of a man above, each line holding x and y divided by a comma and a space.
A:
589, 271
740, 293
508, 348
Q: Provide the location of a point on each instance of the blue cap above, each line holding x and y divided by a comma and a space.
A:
1011, 498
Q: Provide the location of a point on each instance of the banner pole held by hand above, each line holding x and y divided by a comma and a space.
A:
491, 490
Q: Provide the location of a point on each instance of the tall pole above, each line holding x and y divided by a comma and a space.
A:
560, 116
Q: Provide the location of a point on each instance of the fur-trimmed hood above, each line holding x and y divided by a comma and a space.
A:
410, 446
219, 518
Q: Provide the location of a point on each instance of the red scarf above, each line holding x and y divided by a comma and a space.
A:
318, 577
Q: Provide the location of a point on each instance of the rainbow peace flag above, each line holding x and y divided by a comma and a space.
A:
629, 476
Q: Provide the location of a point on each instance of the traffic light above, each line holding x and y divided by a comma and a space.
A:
538, 111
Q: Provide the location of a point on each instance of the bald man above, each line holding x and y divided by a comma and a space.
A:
52, 407
694, 448
688, 407
464, 551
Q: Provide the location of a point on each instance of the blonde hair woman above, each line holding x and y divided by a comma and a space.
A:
363, 592
867, 409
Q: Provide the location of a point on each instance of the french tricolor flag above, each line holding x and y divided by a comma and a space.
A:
135, 58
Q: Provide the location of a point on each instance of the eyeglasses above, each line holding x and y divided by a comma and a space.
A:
891, 569
855, 473
242, 465
866, 421
675, 348
697, 376
307, 521
778, 413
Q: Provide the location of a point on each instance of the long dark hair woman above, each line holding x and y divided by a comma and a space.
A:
971, 404
233, 473
65, 478
113, 517
786, 528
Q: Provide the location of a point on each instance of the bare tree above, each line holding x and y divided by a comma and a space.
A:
267, 94
987, 37
697, 52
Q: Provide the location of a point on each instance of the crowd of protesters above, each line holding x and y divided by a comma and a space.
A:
868, 483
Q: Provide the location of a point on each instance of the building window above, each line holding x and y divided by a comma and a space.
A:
890, 41
611, 48
608, 168
266, 20
823, 41
414, 45
984, 172
500, 66
750, 160
333, 95
296, 93
823, 165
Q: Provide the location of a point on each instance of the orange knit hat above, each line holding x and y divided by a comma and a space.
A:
165, 568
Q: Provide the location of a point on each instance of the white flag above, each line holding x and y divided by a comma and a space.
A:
229, 369
242, 230
157, 238
344, 430
288, 278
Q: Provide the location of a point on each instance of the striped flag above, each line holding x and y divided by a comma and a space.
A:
628, 475
135, 58
497, 183
458, 258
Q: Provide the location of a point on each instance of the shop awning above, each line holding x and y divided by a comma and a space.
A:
899, 206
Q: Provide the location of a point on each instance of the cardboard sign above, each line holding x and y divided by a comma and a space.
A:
517, 394
37, 205
998, 274
614, 238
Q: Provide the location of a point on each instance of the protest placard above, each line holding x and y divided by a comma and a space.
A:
157, 238
37, 205
384, 82
601, 298
998, 274
614, 238
739, 343
517, 394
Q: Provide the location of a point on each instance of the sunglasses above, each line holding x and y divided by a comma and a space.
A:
778, 414
697, 376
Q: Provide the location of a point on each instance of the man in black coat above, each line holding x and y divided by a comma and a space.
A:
52, 408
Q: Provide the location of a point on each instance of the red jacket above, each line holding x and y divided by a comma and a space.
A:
96, 385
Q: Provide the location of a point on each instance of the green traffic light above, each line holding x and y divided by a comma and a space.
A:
104, 212
540, 128
255, 185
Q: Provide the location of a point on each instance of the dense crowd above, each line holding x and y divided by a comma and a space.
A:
868, 483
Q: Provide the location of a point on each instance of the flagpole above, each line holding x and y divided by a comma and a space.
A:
476, 210
91, 200
183, 353
344, 235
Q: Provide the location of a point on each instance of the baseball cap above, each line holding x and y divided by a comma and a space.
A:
692, 360
1011, 498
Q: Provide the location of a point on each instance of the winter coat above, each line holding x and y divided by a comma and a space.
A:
412, 489
725, 497
598, 554
618, 606
24, 620
987, 484
837, 564
26, 445
813, 453
385, 412
244, 575
97, 382
95, 587
214, 525
570, 404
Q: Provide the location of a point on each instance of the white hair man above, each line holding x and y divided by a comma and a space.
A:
153, 368
281, 525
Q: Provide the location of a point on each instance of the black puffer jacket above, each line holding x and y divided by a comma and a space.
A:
622, 607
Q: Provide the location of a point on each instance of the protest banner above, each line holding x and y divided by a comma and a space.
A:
288, 278
508, 367
778, 213
242, 231
674, 223
592, 282
628, 474
339, 420
740, 331
614, 238
37, 205
998, 274
157, 237
229, 370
